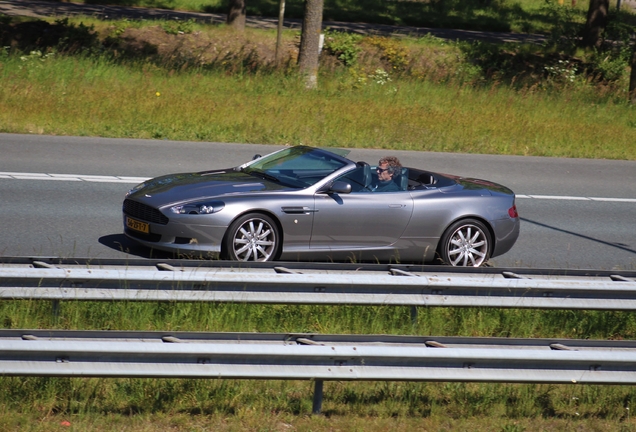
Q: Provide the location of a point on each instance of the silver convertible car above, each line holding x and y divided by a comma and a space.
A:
305, 203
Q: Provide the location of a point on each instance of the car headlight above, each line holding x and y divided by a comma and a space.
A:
198, 208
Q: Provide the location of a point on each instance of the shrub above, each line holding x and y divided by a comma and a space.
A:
395, 53
61, 36
178, 27
565, 25
344, 46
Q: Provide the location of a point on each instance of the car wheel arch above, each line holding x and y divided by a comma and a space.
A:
480, 219
225, 252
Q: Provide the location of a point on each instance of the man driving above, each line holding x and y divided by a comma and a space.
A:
387, 168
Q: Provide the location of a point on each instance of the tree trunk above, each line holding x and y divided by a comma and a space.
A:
279, 31
236, 14
309, 42
632, 76
595, 24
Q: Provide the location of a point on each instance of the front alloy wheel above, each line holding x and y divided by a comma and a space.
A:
466, 243
252, 237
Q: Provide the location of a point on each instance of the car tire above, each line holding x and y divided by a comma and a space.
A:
252, 237
466, 243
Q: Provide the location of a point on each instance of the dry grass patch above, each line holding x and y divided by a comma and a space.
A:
221, 48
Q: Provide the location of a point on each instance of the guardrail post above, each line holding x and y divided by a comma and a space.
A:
413, 315
317, 397
55, 309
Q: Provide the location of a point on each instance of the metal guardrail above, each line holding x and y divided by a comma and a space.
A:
297, 266
314, 357
284, 286
310, 356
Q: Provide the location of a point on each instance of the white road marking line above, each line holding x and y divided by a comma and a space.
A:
576, 198
614, 199
556, 197
72, 177
137, 180
28, 177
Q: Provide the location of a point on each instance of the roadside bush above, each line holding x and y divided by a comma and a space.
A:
611, 61
61, 36
391, 50
344, 46
562, 71
178, 27
514, 64
608, 66
566, 24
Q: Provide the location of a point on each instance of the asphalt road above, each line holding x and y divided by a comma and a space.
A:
40, 8
561, 226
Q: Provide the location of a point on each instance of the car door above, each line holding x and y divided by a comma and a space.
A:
360, 219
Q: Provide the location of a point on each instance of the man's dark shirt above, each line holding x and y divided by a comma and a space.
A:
387, 186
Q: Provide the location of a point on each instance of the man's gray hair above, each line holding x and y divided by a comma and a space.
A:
394, 164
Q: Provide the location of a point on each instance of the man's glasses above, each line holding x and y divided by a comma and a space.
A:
381, 170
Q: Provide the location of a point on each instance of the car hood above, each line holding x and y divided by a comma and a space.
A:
178, 188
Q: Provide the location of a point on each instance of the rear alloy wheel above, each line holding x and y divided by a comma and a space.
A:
252, 237
465, 243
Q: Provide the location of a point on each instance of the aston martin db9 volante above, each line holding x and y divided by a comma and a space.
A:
305, 203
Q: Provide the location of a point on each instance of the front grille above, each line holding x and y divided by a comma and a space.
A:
144, 212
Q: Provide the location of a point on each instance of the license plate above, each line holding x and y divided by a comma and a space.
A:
137, 225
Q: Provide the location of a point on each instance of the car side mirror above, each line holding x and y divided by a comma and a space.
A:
340, 187
257, 156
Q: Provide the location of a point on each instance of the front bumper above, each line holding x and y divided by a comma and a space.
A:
180, 238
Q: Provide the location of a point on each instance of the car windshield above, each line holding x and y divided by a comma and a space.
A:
296, 166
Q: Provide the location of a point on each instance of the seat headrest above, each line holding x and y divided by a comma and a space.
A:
402, 178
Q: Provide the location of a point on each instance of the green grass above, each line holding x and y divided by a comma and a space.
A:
471, 322
95, 97
153, 404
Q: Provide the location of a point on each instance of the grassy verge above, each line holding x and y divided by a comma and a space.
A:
153, 404
141, 79
253, 420
94, 97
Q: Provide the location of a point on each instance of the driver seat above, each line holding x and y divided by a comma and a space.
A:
361, 177
402, 179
